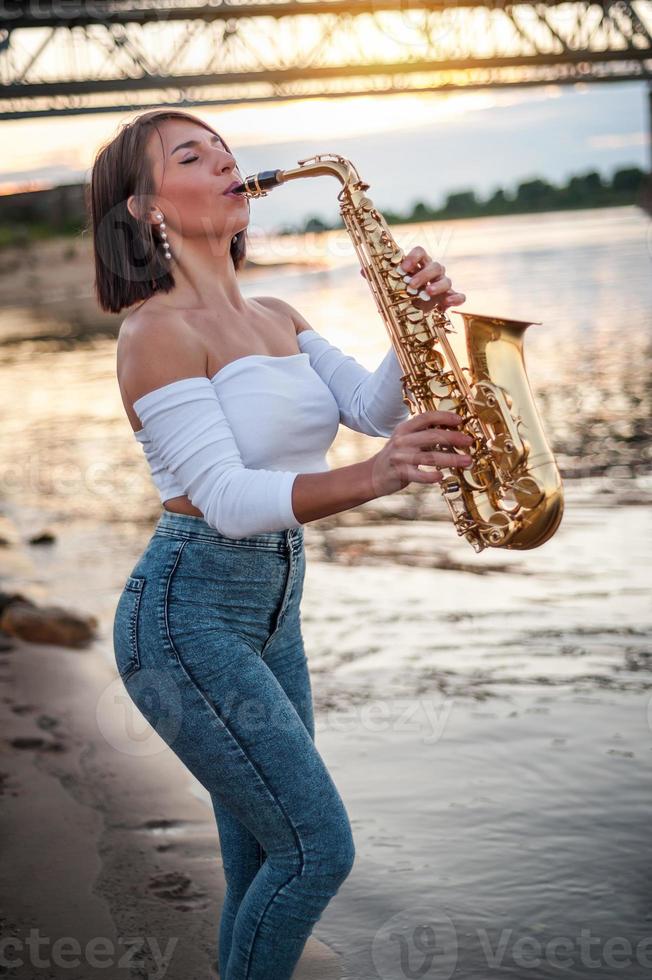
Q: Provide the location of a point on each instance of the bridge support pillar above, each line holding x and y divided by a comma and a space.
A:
645, 196
649, 123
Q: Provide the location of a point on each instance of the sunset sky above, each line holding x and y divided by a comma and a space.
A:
407, 147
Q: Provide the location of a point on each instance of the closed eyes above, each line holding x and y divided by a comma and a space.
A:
215, 140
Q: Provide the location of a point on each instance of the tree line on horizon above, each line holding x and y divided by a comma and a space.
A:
586, 190
61, 211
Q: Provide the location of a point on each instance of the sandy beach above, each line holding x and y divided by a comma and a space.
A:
111, 866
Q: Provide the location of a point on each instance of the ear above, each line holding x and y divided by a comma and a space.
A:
141, 212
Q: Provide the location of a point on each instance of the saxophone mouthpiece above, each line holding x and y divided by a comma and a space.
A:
257, 185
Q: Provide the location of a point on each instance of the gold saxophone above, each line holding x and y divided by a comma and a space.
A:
511, 496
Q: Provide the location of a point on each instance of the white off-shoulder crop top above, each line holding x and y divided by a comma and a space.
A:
235, 443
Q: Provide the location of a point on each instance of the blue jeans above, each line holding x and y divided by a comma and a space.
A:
207, 640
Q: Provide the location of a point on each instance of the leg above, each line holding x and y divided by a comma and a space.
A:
287, 661
243, 739
242, 855
322, 864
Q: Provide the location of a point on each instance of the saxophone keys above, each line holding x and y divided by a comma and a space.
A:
527, 492
450, 486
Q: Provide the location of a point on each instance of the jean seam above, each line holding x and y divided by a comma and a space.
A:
165, 601
260, 777
293, 559
262, 916
166, 621
275, 800
196, 536
133, 629
168, 632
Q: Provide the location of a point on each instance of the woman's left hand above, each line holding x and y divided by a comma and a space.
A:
433, 287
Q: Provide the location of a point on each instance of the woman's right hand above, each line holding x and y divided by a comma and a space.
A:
397, 463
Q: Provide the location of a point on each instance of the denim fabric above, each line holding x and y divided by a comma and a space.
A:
207, 640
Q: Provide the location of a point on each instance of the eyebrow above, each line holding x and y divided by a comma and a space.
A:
182, 146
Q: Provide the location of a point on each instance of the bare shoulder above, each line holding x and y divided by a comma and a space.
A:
280, 306
154, 348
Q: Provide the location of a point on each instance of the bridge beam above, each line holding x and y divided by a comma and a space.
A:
128, 54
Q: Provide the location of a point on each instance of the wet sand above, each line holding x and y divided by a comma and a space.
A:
109, 861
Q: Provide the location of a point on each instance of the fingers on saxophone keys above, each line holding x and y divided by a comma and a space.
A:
440, 286
445, 459
438, 436
430, 290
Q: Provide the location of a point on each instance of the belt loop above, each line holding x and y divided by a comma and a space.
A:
293, 539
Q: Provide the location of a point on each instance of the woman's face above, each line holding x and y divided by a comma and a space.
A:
192, 168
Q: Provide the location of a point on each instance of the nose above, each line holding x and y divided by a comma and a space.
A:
227, 168
224, 161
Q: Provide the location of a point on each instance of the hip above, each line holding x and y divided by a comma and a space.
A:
192, 585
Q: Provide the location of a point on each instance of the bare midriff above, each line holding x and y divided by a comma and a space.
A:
181, 505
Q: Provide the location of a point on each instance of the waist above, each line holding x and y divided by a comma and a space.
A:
177, 525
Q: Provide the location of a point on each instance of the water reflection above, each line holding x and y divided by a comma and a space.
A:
66, 442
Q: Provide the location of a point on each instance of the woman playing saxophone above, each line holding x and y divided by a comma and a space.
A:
235, 402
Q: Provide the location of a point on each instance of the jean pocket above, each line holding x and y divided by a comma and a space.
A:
125, 627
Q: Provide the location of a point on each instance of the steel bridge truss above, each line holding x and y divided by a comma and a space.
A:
83, 56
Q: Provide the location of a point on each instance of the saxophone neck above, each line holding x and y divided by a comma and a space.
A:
323, 164
328, 164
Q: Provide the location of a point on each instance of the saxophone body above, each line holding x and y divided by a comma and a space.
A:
511, 496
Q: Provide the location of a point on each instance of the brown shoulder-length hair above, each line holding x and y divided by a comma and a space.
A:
129, 266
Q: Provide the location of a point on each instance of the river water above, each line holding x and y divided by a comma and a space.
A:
487, 717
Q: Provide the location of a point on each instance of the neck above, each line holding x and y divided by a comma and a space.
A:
204, 275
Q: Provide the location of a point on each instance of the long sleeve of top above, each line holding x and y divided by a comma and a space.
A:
185, 423
368, 401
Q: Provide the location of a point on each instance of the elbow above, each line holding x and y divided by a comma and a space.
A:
230, 507
217, 499
228, 526
363, 423
227, 520
382, 428
373, 417
386, 427
229, 530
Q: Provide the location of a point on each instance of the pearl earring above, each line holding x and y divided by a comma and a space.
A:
234, 239
164, 236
